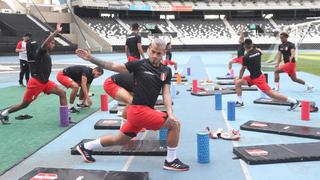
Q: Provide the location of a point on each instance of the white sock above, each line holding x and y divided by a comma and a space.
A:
308, 84
93, 144
291, 100
70, 106
5, 112
277, 85
171, 154
239, 99
80, 101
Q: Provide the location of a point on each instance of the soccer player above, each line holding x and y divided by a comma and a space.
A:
286, 51
240, 54
133, 47
150, 76
168, 61
22, 50
78, 76
39, 81
252, 61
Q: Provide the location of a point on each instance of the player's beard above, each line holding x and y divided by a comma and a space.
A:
155, 63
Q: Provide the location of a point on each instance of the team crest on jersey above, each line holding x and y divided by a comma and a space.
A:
163, 76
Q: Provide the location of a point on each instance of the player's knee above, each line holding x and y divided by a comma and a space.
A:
174, 124
294, 79
74, 86
62, 93
129, 99
269, 92
238, 82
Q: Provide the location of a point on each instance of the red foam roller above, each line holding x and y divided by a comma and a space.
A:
195, 86
305, 110
104, 102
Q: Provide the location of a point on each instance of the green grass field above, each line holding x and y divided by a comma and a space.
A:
24, 137
307, 62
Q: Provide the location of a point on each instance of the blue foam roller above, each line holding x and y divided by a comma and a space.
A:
163, 134
203, 147
218, 100
173, 90
231, 110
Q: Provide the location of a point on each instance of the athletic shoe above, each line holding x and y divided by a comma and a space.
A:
294, 105
4, 119
85, 153
21, 85
74, 110
239, 104
71, 122
23, 117
82, 106
231, 135
175, 165
216, 134
275, 89
309, 88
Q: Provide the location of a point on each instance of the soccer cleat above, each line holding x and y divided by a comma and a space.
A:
85, 153
74, 110
239, 104
175, 165
294, 105
231, 135
4, 119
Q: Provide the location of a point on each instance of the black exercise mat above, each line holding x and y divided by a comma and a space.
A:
283, 129
63, 173
158, 102
244, 88
224, 78
225, 82
183, 79
134, 147
175, 76
269, 101
279, 153
211, 93
108, 124
116, 108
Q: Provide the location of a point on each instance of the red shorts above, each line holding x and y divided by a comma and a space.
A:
110, 87
131, 58
289, 68
66, 81
168, 62
260, 82
237, 60
35, 87
140, 116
